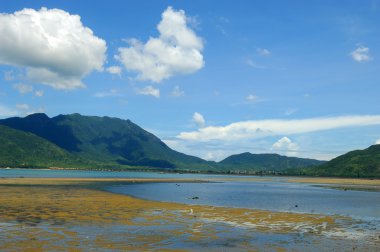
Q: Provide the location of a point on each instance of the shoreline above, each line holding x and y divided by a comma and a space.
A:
167, 171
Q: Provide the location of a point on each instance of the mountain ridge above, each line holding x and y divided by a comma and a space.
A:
356, 163
94, 142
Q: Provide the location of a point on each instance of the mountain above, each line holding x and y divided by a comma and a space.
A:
105, 140
265, 162
358, 163
22, 149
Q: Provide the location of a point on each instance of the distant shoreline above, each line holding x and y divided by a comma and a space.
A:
175, 171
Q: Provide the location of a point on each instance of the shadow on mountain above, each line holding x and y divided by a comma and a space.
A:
41, 125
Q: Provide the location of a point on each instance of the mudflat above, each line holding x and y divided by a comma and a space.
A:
69, 214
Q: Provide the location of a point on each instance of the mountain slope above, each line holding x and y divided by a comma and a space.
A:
105, 140
358, 163
22, 149
265, 162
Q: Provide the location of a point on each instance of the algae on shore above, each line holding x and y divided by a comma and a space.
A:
68, 214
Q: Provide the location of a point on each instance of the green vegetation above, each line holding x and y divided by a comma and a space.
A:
358, 163
22, 149
104, 141
264, 163
76, 141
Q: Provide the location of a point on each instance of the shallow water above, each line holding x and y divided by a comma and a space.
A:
46, 173
274, 196
60, 217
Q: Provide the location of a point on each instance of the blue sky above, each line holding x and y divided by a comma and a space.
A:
210, 78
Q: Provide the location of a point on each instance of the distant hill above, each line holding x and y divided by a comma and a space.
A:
105, 140
22, 149
265, 162
358, 163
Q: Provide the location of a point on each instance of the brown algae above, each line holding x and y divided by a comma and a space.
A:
67, 214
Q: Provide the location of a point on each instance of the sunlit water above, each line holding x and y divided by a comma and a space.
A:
274, 196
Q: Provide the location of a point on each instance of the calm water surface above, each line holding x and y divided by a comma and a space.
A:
46, 173
274, 196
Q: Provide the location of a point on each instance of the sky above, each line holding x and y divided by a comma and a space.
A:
210, 78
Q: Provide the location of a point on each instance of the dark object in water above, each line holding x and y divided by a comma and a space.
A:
295, 205
196, 197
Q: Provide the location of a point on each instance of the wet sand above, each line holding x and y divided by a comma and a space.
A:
76, 215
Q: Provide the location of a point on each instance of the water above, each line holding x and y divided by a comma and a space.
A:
274, 196
46, 173
174, 231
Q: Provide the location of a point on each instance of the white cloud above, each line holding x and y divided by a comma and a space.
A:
22, 106
7, 112
33, 111
253, 64
263, 128
285, 145
252, 98
39, 93
177, 92
149, 90
114, 70
290, 111
53, 45
111, 92
361, 54
263, 52
177, 50
23, 88
9, 76
199, 119
377, 141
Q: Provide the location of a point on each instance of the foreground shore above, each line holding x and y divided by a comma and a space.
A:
74, 214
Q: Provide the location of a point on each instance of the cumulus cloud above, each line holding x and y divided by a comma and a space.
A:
23, 88
177, 50
149, 90
177, 92
114, 70
361, 54
263, 128
54, 46
285, 145
263, 52
199, 119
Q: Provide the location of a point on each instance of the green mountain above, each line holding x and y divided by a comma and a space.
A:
23, 149
358, 163
109, 141
103, 142
265, 162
